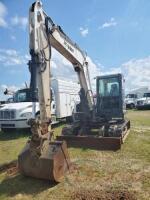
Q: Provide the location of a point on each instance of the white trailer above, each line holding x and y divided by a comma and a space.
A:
64, 97
66, 94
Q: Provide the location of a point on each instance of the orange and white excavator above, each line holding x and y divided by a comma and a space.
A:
44, 157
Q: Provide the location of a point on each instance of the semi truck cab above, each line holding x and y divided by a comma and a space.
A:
131, 100
64, 95
144, 102
17, 113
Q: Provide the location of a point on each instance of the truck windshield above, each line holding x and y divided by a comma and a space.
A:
24, 95
131, 96
109, 87
146, 95
20, 96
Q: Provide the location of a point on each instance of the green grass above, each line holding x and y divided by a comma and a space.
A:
10, 144
139, 117
126, 169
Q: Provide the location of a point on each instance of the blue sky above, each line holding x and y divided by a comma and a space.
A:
115, 34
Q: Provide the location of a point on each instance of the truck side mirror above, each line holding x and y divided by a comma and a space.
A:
6, 92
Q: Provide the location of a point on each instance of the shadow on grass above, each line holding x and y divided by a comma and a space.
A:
14, 134
23, 185
61, 123
143, 109
11, 134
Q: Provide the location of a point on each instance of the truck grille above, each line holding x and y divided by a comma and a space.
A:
7, 114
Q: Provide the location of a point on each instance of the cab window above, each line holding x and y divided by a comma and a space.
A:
109, 87
20, 97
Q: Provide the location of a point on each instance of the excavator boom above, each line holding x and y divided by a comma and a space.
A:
42, 156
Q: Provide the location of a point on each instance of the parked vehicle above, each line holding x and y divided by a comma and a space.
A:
16, 114
131, 100
144, 102
2, 102
10, 100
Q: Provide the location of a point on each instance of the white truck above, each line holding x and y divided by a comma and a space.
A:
144, 102
64, 96
131, 100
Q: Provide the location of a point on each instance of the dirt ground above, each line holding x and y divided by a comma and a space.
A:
102, 195
96, 175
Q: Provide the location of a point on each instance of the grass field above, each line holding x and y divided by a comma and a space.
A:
109, 173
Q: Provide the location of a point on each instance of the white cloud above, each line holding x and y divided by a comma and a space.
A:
15, 21
27, 57
53, 64
10, 52
84, 31
19, 21
137, 72
3, 13
11, 88
61, 67
110, 23
94, 71
11, 57
13, 37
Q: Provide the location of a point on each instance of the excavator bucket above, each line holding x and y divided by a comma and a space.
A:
51, 163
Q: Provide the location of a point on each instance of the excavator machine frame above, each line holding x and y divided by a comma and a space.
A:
107, 128
43, 157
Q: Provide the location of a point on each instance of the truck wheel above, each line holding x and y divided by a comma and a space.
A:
5, 130
132, 106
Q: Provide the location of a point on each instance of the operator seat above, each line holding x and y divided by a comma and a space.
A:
114, 90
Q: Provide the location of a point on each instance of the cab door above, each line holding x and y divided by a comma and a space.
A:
110, 96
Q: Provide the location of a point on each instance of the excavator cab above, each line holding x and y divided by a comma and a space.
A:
110, 96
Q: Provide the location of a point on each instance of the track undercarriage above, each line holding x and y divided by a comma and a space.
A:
98, 136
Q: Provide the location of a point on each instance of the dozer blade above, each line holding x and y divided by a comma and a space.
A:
97, 142
51, 164
92, 142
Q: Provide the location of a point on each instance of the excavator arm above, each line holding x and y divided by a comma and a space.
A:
40, 51
44, 34
42, 156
